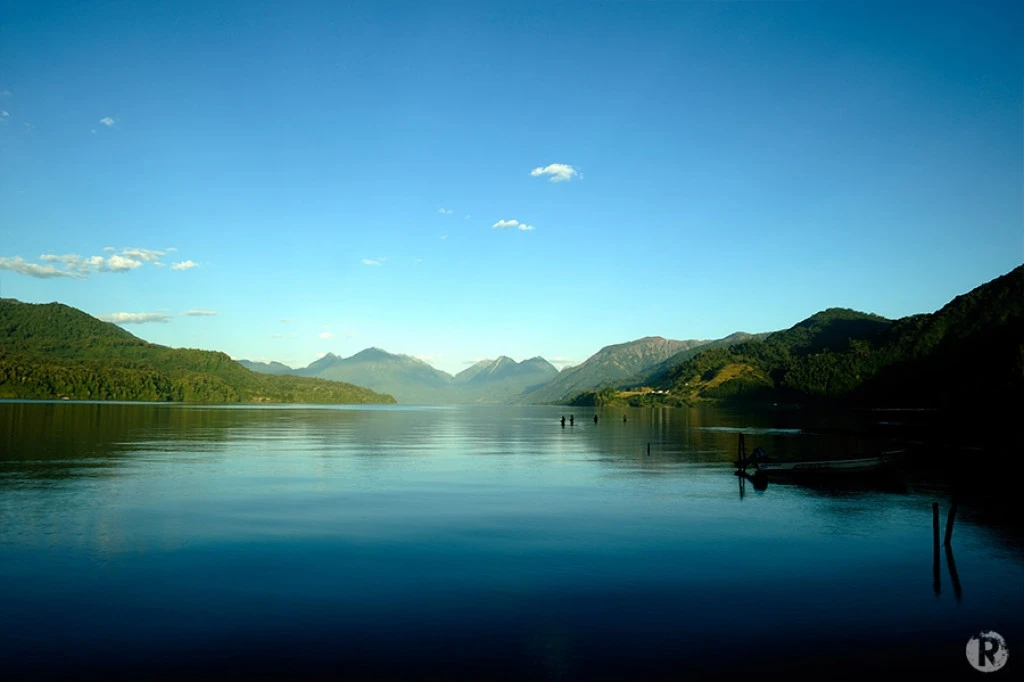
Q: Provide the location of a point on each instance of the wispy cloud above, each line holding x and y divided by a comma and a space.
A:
89, 264
107, 121
76, 266
148, 255
326, 335
560, 361
135, 318
444, 236
4, 113
445, 211
17, 264
200, 313
510, 224
557, 172
185, 265
371, 261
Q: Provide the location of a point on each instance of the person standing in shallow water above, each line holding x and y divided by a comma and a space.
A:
572, 419
595, 418
563, 421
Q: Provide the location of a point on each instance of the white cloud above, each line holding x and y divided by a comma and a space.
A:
509, 224
4, 114
200, 313
135, 318
148, 255
559, 172
371, 261
118, 263
67, 259
445, 211
107, 121
129, 259
185, 265
86, 265
17, 264
172, 249
326, 335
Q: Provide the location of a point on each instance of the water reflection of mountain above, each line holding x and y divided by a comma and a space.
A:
50, 441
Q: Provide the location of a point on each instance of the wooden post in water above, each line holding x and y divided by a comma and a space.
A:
953, 575
936, 578
648, 449
949, 522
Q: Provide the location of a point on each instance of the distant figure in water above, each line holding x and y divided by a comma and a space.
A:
563, 421
572, 419
595, 418
623, 419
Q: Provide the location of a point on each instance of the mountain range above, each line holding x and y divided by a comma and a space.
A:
971, 348
412, 380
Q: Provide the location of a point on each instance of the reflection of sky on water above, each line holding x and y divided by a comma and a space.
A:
285, 523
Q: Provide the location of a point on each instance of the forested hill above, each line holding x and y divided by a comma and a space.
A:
972, 349
56, 351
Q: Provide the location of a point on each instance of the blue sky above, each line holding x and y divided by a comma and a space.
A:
328, 177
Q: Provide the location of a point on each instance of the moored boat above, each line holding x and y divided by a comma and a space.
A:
853, 465
762, 463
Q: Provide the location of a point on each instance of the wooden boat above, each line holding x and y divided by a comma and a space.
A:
761, 463
857, 465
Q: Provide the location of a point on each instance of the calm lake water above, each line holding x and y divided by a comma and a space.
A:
472, 542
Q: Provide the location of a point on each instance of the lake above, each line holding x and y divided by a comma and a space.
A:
473, 542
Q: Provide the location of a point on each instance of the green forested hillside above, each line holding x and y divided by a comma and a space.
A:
55, 351
972, 349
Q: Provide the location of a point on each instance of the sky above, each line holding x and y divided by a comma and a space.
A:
458, 181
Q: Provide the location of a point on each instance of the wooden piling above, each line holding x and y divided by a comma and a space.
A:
954, 576
936, 578
950, 519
